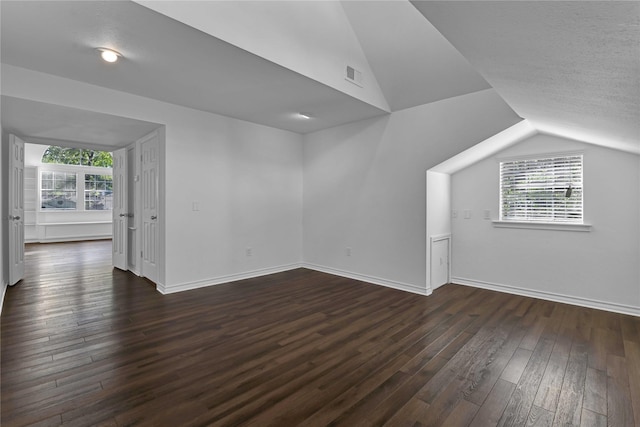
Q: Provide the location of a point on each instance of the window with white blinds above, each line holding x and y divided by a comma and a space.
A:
545, 189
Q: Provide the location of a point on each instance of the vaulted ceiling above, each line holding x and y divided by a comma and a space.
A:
569, 67
566, 66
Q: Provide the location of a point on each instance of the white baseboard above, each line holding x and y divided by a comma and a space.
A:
71, 238
135, 271
164, 289
368, 279
550, 296
3, 291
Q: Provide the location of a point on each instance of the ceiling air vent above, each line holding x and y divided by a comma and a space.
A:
354, 76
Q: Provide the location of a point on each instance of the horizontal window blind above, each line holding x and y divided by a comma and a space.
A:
546, 189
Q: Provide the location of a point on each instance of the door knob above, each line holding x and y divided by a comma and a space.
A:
14, 217
124, 214
154, 217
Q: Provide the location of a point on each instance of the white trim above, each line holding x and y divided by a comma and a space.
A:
48, 232
437, 237
535, 225
165, 290
187, 286
530, 177
369, 279
3, 291
46, 224
71, 238
78, 170
550, 296
539, 156
487, 148
134, 271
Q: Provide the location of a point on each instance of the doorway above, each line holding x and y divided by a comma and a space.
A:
136, 186
51, 124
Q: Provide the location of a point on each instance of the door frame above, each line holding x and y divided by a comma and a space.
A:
4, 202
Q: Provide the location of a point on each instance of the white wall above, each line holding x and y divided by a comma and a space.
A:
598, 268
247, 179
364, 185
3, 245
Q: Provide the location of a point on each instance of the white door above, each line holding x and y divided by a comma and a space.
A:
439, 262
120, 209
149, 184
16, 209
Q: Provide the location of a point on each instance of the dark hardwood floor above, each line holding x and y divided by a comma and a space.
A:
85, 345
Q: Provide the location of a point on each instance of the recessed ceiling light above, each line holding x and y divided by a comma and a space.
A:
108, 55
305, 116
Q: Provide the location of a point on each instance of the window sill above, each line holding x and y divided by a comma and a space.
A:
559, 226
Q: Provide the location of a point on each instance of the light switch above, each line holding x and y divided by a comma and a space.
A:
487, 214
196, 206
467, 214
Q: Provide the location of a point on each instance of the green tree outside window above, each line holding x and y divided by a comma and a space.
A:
77, 156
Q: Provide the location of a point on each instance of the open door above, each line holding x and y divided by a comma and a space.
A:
16, 209
149, 149
120, 209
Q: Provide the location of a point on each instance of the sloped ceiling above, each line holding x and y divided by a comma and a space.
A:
570, 67
312, 38
413, 63
257, 61
167, 60
399, 53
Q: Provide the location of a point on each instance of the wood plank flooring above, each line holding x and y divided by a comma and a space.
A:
85, 345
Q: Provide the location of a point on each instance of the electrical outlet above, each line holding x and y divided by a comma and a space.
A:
249, 251
467, 214
487, 214
348, 251
454, 213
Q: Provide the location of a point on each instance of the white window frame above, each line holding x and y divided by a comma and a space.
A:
80, 172
41, 189
109, 173
548, 223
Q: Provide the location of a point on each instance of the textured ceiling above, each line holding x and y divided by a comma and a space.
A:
43, 123
169, 61
570, 67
